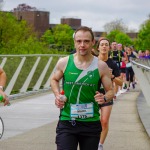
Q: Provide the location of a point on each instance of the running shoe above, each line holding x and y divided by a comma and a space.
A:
133, 85
100, 147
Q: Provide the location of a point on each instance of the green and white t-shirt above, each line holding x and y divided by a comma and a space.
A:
80, 87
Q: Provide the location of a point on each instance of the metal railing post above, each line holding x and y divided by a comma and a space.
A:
39, 82
29, 78
14, 78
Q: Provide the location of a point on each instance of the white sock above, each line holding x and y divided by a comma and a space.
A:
100, 144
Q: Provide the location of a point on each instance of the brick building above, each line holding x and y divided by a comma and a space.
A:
73, 22
39, 20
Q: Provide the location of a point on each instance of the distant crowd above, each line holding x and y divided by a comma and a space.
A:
144, 54
121, 55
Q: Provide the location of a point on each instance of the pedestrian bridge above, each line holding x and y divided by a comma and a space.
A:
30, 74
31, 118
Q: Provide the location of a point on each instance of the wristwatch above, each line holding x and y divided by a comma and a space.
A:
1, 87
105, 99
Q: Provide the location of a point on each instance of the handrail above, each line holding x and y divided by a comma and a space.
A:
140, 65
141, 69
29, 74
31, 55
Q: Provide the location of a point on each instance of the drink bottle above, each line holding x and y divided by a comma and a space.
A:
62, 96
1, 98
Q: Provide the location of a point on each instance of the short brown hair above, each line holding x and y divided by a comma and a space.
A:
85, 28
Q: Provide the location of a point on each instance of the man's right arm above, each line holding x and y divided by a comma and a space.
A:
56, 77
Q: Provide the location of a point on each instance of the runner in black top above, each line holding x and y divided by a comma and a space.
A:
103, 48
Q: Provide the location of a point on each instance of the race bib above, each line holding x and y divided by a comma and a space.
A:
82, 111
128, 65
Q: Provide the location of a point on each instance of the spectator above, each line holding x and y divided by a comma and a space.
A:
147, 54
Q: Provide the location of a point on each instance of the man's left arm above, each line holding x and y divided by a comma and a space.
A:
2, 85
2, 78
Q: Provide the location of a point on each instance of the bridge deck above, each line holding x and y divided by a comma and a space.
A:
30, 124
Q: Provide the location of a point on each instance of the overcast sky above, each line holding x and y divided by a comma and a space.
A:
93, 13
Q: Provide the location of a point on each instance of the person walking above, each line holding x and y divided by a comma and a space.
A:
103, 47
79, 121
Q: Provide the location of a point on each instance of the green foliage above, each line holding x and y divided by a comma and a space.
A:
143, 41
112, 35
48, 38
59, 38
119, 37
16, 37
123, 39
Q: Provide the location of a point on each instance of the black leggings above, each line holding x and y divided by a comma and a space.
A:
129, 74
87, 135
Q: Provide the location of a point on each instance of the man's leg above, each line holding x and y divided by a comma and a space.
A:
65, 139
89, 142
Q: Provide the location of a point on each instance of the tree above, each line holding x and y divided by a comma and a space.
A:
48, 38
123, 38
119, 37
60, 36
143, 40
16, 37
112, 35
115, 25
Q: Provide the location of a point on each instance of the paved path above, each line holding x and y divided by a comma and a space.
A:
26, 114
126, 130
30, 125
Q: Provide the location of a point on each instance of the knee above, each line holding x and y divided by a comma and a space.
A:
104, 123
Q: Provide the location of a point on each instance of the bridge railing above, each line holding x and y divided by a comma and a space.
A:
28, 74
141, 68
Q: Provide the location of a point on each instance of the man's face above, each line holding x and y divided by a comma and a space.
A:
114, 46
83, 42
